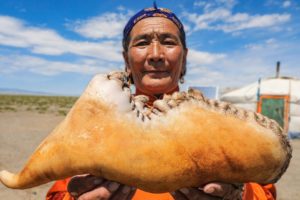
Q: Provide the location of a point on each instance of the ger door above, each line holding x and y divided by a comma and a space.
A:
275, 107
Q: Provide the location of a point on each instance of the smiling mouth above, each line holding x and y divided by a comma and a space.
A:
157, 74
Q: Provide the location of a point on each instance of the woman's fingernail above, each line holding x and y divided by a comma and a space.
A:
113, 186
209, 190
126, 189
97, 181
74, 194
184, 190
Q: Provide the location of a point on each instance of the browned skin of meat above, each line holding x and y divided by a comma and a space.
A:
184, 140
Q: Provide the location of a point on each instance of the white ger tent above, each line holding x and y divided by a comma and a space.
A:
277, 98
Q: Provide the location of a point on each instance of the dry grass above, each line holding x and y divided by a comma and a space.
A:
42, 104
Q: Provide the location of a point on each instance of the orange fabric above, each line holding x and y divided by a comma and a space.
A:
141, 195
59, 191
252, 191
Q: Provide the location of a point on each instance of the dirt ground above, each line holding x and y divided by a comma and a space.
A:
21, 132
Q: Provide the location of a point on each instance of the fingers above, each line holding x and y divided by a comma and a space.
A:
224, 190
192, 194
123, 193
103, 192
218, 189
100, 193
179, 195
109, 190
83, 183
88, 187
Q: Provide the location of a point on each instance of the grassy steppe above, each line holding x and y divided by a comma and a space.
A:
42, 104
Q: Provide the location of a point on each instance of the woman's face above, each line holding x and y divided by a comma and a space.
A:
155, 56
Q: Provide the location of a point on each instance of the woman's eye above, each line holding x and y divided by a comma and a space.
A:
169, 42
141, 43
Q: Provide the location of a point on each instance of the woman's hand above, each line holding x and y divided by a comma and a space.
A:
211, 191
88, 187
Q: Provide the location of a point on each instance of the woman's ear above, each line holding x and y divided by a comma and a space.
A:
183, 70
125, 57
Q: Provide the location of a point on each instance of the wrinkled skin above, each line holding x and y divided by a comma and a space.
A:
156, 57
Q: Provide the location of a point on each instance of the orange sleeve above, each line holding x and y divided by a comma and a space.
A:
254, 191
142, 195
59, 191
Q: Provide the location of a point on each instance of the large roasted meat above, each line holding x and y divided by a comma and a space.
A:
181, 141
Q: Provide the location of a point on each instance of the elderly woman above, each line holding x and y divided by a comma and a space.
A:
155, 56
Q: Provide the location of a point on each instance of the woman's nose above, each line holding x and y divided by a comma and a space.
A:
155, 53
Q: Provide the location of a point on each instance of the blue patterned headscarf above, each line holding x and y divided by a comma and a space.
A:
152, 12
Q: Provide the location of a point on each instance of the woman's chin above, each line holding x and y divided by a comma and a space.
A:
158, 88
153, 86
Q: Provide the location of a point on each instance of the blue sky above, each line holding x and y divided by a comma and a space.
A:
57, 46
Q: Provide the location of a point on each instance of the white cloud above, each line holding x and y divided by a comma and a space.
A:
245, 66
203, 76
203, 21
210, 5
230, 69
257, 21
16, 63
238, 17
205, 5
227, 3
286, 4
107, 25
199, 58
265, 20
15, 33
275, 3
198, 70
200, 3
121, 8
222, 18
270, 43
